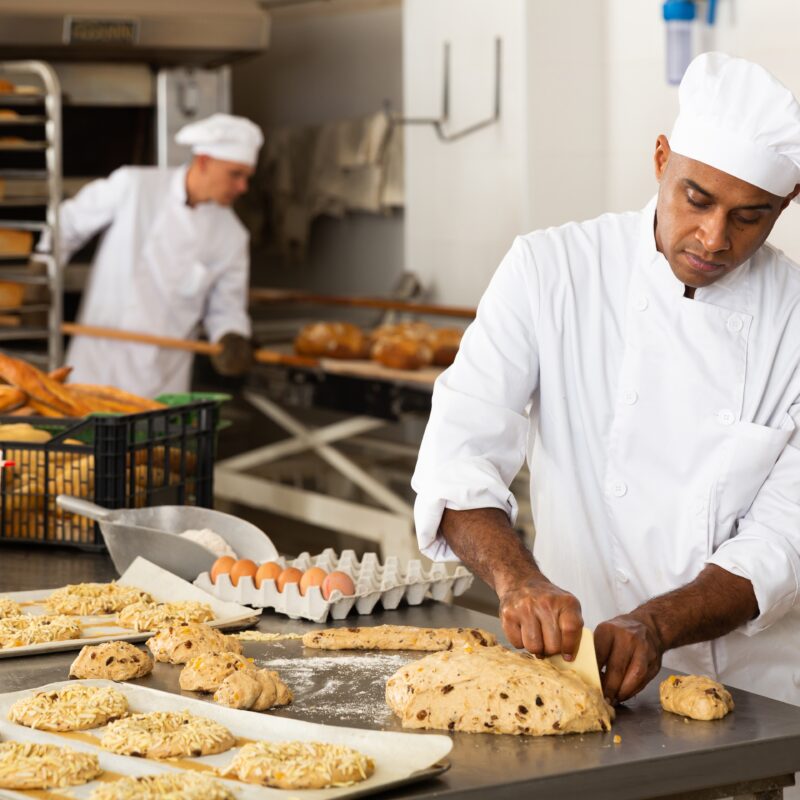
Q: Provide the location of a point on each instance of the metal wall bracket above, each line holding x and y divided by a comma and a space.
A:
439, 123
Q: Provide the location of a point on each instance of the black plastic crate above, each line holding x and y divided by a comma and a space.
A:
163, 457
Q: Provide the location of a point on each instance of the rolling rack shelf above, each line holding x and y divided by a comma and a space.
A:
30, 193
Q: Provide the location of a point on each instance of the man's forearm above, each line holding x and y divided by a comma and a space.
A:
713, 604
485, 541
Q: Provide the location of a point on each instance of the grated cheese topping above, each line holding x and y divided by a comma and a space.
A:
94, 598
25, 765
299, 765
169, 786
8, 608
73, 708
21, 631
152, 616
166, 734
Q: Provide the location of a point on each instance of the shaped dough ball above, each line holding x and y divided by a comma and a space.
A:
695, 696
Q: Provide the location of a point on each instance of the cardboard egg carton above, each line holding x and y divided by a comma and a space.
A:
388, 584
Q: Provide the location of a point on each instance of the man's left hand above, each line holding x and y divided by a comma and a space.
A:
629, 653
236, 356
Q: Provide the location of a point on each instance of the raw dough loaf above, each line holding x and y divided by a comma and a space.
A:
166, 734
495, 690
180, 643
695, 696
397, 637
73, 708
116, 661
206, 673
25, 765
299, 765
256, 691
170, 785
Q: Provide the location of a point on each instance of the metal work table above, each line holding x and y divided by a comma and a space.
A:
752, 753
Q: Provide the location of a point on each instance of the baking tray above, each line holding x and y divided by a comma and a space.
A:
389, 584
400, 758
162, 585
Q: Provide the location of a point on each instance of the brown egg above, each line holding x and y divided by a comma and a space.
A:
314, 576
243, 568
289, 575
338, 580
269, 570
221, 567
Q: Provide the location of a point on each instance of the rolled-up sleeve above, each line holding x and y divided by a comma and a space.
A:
475, 441
766, 547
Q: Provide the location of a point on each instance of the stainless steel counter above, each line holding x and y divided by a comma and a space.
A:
753, 752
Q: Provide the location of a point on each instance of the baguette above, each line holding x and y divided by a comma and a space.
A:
61, 374
112, 395
11, 398
43, 391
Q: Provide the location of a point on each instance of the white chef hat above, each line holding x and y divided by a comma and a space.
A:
737, 117
223, 136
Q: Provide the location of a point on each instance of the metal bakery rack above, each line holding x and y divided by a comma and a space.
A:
30, 192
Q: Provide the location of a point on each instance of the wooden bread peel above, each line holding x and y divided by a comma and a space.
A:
261, 356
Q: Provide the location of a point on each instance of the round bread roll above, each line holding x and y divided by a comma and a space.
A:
332, 340
444, 342
400, 351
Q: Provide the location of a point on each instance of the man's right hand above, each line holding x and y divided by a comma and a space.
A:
542, 618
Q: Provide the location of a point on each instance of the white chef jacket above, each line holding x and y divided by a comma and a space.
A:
659, 430
162, 267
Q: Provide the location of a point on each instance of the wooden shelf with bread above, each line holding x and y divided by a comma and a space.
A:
31, 284
411, 351
97, 443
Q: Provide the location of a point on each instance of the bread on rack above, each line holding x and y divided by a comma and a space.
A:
332, 340
12, 294
6, 87
15, 243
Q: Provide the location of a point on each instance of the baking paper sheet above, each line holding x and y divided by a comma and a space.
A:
396, 755
162, 585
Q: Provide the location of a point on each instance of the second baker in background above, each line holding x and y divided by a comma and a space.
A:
173, 256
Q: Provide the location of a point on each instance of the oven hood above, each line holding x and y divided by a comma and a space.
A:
203, 33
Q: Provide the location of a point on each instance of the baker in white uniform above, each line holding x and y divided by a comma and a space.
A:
648, 366
173, 256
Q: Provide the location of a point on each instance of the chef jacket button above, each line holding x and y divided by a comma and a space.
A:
640, 304
726, 417
735, 323
622, 577
629, 397
619, 489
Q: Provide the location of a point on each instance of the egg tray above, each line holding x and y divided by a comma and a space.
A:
388, 584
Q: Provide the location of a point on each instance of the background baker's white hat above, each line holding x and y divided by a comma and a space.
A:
223, 136
737, 117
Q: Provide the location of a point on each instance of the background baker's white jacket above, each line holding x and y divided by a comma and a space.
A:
661, 433
161, 267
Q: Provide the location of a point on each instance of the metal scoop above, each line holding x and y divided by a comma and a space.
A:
153, 534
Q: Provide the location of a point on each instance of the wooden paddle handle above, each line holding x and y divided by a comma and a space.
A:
291, 296
261, 356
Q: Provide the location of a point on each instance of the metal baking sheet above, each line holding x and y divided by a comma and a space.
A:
162, 585
398, 757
